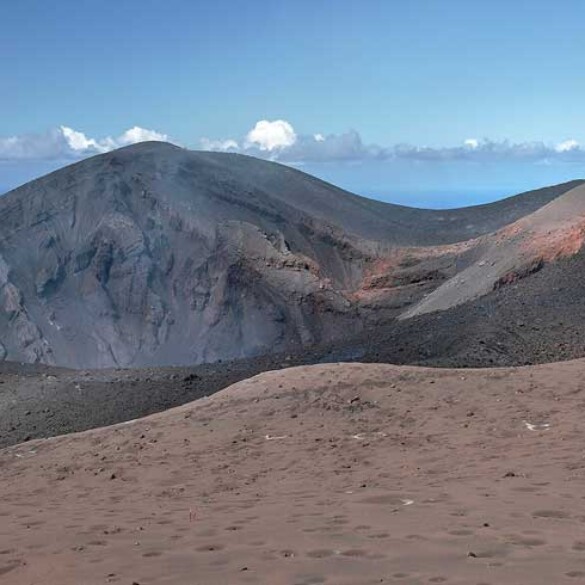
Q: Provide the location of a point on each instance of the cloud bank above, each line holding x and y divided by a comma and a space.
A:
64, 143
277, 140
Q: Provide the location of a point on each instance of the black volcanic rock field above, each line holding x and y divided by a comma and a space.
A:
39, 401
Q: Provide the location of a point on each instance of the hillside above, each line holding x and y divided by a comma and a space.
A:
155, 255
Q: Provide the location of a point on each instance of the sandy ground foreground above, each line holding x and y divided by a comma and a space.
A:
337, 474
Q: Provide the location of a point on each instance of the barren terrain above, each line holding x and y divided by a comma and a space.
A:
340, 473
153, 255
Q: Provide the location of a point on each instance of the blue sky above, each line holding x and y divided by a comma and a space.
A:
363, 77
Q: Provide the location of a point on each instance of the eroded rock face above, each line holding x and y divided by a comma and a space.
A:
154, 255
135, 258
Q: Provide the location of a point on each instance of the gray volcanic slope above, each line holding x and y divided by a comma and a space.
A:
154, 255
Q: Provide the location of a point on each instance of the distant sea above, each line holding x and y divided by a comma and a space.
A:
439, 199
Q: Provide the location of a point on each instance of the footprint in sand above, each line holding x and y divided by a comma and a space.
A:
322, 553
557, 514
7, 551
526, 541
152, 554
461, 532
390, 500
210, 548
379, 535
310, 580
338, 521
355, 552
9, 567
490, 553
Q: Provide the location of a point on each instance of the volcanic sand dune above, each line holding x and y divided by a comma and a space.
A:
42, 401
338, 474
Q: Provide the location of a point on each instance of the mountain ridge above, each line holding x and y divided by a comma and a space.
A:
156, 255
511, 208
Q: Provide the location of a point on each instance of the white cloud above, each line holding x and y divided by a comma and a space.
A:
490, 151
219, 145
137, 134
78, 141
271, 136
278, 141
567, 146
49, 145
333, 147
66, 143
